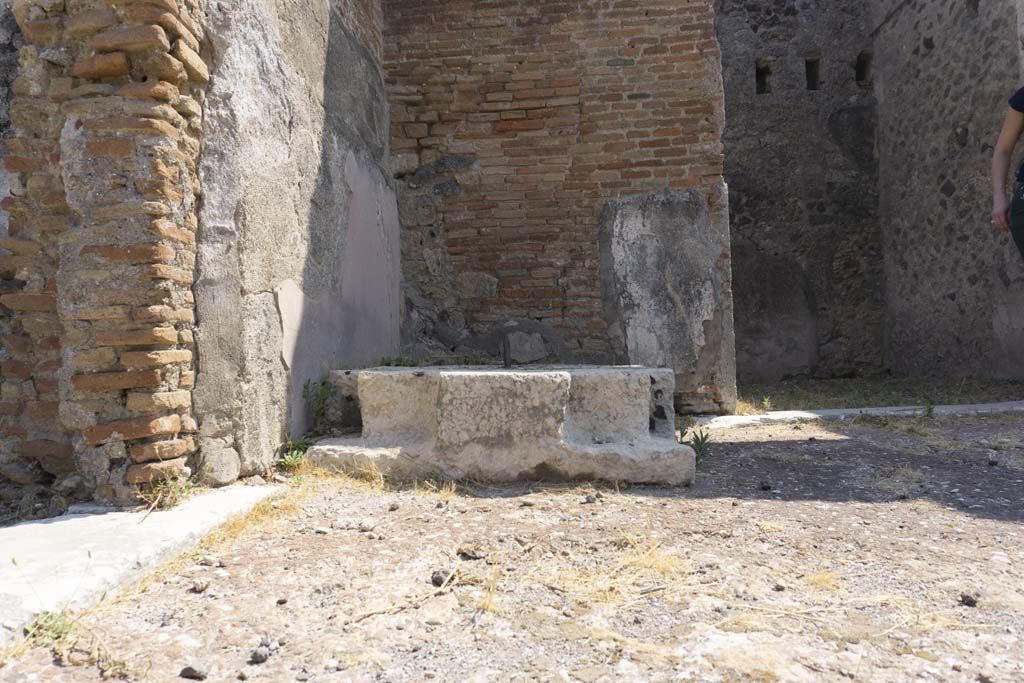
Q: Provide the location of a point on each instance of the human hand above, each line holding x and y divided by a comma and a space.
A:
1001, 214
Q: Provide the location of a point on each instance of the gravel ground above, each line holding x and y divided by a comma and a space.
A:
877, 551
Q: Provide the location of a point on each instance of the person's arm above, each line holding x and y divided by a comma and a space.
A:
1012, 128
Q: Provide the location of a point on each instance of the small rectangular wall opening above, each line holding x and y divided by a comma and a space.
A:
813, 68
863, 69
763, 74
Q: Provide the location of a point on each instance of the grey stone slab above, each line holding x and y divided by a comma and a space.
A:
794, 416
73, 560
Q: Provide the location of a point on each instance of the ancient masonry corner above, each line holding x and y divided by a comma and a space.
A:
107, 119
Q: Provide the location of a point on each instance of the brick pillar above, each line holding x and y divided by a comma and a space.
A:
127, 99
38, 219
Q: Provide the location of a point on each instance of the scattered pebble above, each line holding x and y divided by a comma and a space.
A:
260, 655
439, 577
200, 586
765, 486
590, 500
968, 600
195, 672
367, 525
322, 530
282, 601
393, 507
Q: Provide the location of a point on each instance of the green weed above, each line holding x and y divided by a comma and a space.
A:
700, 442
292, 454
49, 627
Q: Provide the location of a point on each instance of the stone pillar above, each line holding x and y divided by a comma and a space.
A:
109, 124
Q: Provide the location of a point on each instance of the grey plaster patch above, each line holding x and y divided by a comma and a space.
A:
74, 560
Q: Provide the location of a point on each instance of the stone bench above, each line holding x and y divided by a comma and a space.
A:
492, 424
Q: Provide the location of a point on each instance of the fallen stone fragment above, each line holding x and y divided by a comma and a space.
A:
195, 672
968, 600
260, 655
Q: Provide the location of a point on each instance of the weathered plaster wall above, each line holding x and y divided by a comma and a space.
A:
954, 286
298, 257
800, 165
513, 124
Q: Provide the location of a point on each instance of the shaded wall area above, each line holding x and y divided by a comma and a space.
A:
803, 186
298, 241
954, 286
513, 125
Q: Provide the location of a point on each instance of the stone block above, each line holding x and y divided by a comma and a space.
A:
505, 425
399, 403
162, 450
151, 472
666, 295
480, 408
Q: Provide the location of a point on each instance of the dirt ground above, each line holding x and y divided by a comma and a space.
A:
876, 551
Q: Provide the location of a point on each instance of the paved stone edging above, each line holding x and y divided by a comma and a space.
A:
75, 559
840, 414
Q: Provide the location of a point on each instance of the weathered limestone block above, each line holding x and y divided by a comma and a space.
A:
666, 296
506, 425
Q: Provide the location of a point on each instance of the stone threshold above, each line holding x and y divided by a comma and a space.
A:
841, 414
73, 561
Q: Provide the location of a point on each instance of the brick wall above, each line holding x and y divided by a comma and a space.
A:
514, 122
107, 115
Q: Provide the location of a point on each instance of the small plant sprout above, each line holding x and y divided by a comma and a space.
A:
766, 404
292, 454
700, 442
929, 409
49, 627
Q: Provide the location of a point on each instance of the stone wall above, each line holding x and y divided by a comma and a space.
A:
106, 113
298, 270
954, 287
513, 124
800, 165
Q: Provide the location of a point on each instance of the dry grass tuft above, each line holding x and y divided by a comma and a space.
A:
824, 581
638, 568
